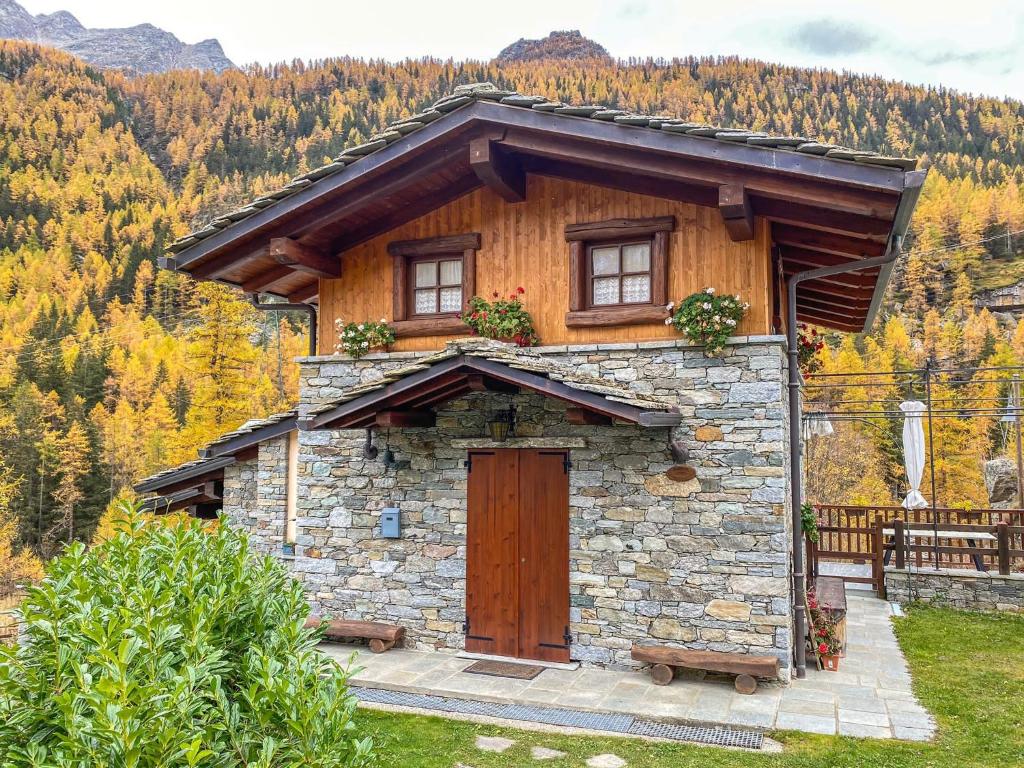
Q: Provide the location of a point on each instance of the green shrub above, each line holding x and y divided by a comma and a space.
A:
172, 646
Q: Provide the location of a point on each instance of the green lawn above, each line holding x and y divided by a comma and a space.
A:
968, 670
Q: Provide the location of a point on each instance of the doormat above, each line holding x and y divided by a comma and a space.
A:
504, 669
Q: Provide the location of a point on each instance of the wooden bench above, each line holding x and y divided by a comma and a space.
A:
746, 668
382, 637
830, 592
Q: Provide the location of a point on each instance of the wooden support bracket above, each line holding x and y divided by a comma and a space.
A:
291, 253
734, 205
581, 416
497, 170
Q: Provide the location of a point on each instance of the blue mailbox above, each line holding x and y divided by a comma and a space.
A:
390, 523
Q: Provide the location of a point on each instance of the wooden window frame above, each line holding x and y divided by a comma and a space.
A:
620, 274
582, 237
406, 252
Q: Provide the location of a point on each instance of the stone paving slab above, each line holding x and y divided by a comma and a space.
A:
869, 696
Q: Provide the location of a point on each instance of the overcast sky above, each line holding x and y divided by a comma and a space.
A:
976, 46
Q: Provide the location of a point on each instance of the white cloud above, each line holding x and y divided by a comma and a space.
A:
920, 41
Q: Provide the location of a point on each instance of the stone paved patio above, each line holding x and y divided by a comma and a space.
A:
869, 696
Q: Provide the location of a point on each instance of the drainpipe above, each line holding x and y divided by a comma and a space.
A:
913, 181
285, 307
795, 470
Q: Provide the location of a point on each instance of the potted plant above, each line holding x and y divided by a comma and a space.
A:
808, 343
357, 339
707, 318
825, 638
501, 319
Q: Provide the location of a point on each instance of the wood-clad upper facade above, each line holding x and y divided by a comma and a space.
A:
524, 245
570, 203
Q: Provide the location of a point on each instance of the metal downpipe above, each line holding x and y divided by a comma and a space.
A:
795, 458
287, 307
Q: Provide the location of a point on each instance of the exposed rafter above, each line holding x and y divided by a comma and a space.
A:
497, 171
737, 213
302, 258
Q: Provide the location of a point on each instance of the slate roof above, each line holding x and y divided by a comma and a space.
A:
466, 94
209, 455
519, 358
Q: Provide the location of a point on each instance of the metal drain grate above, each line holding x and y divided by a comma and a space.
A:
570, 718
702, 734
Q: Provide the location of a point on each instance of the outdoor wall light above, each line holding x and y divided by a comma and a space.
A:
502, 424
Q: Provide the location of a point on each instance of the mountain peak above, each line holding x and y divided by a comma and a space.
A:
563, 44
141, 49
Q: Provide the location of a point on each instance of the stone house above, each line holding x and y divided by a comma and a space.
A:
612, 485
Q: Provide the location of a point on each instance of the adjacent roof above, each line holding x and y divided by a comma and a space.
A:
213, 458
827, 203
466, 365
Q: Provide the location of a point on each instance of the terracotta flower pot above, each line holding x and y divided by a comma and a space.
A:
830, 662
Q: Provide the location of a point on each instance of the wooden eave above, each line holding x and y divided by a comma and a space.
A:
819, 208
457, 376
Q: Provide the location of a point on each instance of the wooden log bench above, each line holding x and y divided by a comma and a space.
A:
830, 592
382, 637
747, 668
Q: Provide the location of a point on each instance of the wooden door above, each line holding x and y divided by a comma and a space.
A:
492, 551
517, 554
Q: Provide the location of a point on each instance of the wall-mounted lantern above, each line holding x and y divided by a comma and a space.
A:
502, 424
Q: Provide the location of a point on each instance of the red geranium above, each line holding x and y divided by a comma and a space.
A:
823, 648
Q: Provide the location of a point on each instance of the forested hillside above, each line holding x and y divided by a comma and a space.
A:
107, 365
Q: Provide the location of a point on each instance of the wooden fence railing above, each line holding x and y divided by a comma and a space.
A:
992, 539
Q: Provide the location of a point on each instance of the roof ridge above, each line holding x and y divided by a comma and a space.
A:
463, 95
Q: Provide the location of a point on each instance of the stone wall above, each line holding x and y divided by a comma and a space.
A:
240, 492
254, 495
702, 564
956, 588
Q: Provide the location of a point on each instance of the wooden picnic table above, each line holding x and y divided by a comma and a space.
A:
929, 533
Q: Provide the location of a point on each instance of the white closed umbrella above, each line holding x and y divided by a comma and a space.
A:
913, 452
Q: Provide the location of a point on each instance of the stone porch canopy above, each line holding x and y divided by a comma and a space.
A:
403, 396
826, 205
198, 485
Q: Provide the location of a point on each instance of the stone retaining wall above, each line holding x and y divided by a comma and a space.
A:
956, 588
703, 564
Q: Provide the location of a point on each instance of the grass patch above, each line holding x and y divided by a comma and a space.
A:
968, 670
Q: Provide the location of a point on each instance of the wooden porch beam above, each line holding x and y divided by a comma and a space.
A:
499, 172
480, 383
737, 213
583, 417
404, 419
294, 254
220, 265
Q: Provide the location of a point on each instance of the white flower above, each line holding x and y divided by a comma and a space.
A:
718, 318
384, 320
730, 321
706, 305
361, 326
746, 306
709, 291
737, 297
365, 344
668, 321
670, 306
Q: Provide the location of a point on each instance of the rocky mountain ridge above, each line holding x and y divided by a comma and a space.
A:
141, 49
564, 44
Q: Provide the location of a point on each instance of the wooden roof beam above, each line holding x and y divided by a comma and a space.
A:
305, 293
839, 322
499, 172
302, 258
405, 419
838, 222
737, 213
609, 157
264, 280
827, 242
